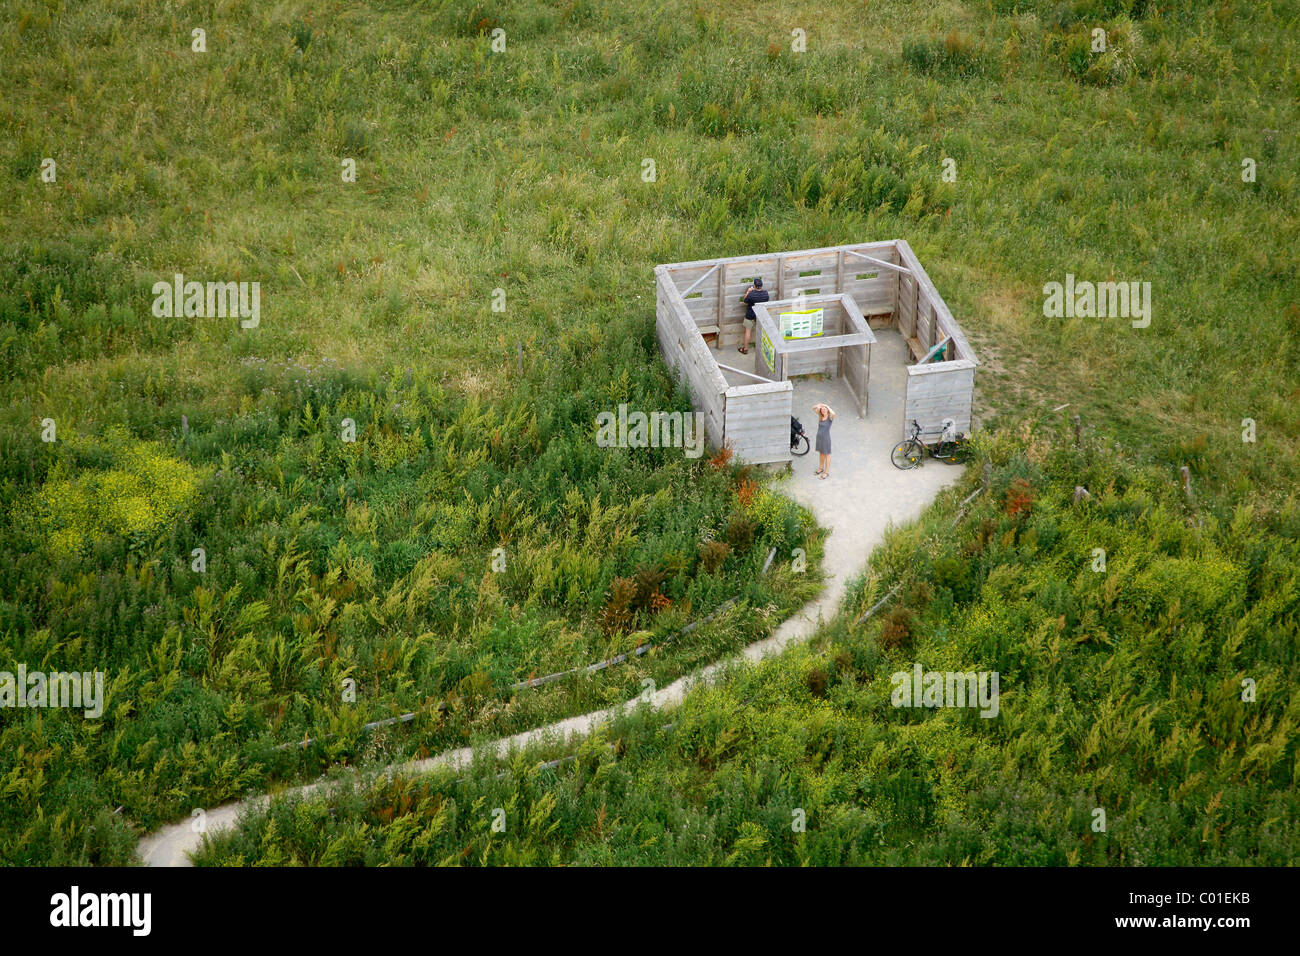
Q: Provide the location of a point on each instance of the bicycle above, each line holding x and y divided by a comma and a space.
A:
799, 444
911, 451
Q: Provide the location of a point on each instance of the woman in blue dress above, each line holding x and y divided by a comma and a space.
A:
825, 415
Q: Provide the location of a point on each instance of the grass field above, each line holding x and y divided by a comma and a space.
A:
523, 171
1121, 736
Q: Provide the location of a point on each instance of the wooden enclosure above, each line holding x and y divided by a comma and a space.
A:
873, 285
842, 349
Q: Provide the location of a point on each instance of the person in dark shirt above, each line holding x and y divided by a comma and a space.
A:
753, 295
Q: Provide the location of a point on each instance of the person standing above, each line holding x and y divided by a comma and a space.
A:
753, 295
825, 415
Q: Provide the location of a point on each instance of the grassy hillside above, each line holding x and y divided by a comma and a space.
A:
522, 171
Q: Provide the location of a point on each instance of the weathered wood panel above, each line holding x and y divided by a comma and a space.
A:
937, 391
875, 296
906, 306
867, 248
944, 321
828, 341
758, 421
877, 291
820, 362
855, 369
924, 321
688, 356
737, 278
703, 309
685, 275
822, 265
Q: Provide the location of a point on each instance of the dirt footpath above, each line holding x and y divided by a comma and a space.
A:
864, 493
863, 496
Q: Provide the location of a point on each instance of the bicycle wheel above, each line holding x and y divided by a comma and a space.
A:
800, 445
906, 454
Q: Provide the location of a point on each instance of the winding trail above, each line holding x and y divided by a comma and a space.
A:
863, 497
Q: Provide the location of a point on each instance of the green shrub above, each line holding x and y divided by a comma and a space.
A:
740, 533
953, 55
712, 554
955, 574
896, 627
139, 493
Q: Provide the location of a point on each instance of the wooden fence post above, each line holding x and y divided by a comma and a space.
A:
875, 607
722, 291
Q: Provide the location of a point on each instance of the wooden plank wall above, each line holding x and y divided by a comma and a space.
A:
687, 355
877, 294
855, 366
823, 277
836, 272
703, 302
818, 362
933, 320
936, 391
737, 277
905, 317
758, 421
